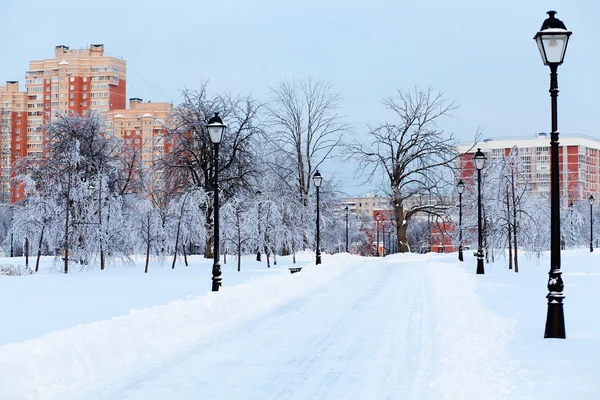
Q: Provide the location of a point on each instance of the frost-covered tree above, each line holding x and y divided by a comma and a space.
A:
77, 169
305, 127
413, 154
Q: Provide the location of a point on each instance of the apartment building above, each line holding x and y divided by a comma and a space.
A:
141, 128
13, 139
366, 205
578, 157
75, 80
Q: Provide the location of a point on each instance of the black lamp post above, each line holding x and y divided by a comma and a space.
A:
317, 179
215, 130
390, 240
552, 40
377, 217
383, 238
347, 212
460, 186
591, 200
571, 234
479, 159
258, 193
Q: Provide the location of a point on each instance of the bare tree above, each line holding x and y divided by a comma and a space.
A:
414, 154
305, 128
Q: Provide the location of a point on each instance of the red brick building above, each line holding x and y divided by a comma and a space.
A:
579, 163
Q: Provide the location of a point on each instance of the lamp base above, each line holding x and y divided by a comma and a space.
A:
555, 321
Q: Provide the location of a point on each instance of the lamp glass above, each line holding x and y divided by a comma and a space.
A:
216, 127
479, 159
317, 179
553, 45
460, 186
591, 200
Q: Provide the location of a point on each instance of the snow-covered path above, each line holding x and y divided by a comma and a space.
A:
393, 329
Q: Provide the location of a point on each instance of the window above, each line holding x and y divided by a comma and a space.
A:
85, 95
72, 103
84, 86
72, 87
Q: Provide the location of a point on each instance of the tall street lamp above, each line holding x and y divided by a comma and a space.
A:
258, 193
390, 240
591, 200
383, 238
460, 186
377, 217
317, 179
552, 42
215, 130
347, 212
479, 159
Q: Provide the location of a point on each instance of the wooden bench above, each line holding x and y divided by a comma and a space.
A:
293, 270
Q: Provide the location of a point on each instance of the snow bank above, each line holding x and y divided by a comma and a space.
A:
70, 359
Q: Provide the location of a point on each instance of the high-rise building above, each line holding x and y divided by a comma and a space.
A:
13, 140
141, 128
75, 80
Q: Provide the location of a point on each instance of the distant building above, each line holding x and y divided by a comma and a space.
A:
365, 206
579, 162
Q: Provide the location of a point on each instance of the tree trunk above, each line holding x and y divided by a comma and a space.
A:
208, 246
515, 224
177, 238
239, 238
185, 256
401, 227
102, 264
148, 245
67, 225
39, 255
26, 252
509, 230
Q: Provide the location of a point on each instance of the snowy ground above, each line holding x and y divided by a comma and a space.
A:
400, 327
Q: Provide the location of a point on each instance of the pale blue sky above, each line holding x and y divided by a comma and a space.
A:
480, 53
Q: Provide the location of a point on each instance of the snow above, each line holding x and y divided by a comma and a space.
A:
401, 327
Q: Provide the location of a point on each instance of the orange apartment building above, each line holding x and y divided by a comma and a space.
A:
141, 127
13, 139
579, 163
74, 81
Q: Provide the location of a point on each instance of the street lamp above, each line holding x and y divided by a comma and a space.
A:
347, 212
390, 240
552, 42
317, 179
215, 130
383, 238
460, 186
591, 200
572, 234
258, 193
377, 217
479, 159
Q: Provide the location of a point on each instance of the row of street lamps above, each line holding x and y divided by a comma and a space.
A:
552, 40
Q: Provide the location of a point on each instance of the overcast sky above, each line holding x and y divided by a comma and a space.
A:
480, 53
